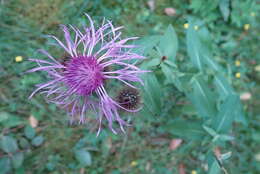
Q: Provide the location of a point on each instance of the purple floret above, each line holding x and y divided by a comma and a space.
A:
84, 75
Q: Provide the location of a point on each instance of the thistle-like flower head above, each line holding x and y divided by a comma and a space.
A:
79, 82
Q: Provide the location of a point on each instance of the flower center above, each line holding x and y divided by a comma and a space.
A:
83, 75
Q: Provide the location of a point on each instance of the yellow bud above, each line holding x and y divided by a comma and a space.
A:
193, 172
186, 25
18, 58
133, 163
237, 62
246, 27
238, 75
196, 27
252, 14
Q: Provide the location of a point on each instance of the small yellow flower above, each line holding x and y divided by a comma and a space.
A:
193, 172
237, 62
186, 25
18, 58
246, 27
238, 75
252, 14
196, 27
133, 163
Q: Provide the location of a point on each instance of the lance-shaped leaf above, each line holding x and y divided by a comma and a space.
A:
202, 97
215, 168
226, 115
223, 87
152, 93
146, 44
193, 47
225, 90
172, 76
178, 127
169, 43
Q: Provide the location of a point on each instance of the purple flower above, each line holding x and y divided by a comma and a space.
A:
79, 83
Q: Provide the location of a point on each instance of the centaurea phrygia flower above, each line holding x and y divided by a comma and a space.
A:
79, 82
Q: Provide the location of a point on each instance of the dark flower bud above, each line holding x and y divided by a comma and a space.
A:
129, 98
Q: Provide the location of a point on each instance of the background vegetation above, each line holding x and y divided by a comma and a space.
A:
201, 103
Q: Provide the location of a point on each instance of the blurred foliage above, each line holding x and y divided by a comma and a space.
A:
204, 58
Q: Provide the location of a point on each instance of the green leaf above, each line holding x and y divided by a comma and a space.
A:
12, 121
150, 62
223, 87
226, 115
83, 157
225, 90
146, 44
224, 8
211, 131
224, 137
202, 97
3, 116
211, 63
37, 141
50, 166
172, 76
196, 5
153, 60
205, 50
23, 142
225, 156
256, 136
193, 47
29, 132
169, 44
178, 127
239, 114
152, 93
17, 159
8, 144
5, 165
53, 161
214, 168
